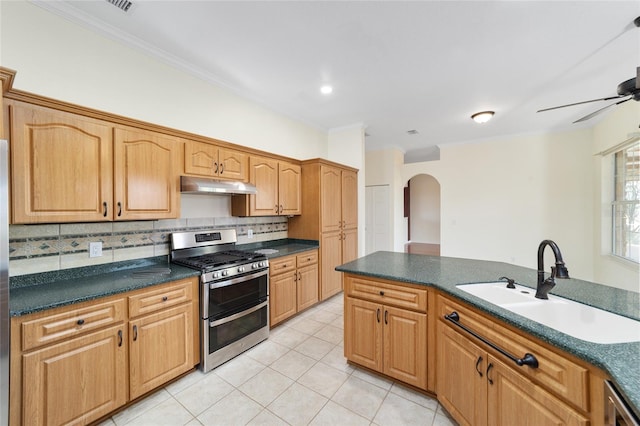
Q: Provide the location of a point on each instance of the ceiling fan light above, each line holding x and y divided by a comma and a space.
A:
483, 116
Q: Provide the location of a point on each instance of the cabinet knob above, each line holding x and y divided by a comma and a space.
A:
165, 298
80, 321
381, 293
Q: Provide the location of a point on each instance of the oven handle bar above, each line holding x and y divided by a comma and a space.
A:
238, 315
237, 280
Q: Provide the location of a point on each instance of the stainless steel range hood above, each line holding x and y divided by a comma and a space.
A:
196, 185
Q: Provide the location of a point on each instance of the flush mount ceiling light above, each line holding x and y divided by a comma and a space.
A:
482, 117
326, 89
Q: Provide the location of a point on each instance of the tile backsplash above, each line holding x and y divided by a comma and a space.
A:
42, 248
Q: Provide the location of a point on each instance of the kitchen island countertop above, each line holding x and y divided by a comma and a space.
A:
621, 361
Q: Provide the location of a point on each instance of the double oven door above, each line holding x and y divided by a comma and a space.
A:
235, 316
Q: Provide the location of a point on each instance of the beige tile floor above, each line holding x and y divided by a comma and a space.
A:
298, 376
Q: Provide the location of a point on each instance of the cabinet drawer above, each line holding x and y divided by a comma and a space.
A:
388, 293
307, 258
70, 322
282, 265
160, 298
557, 373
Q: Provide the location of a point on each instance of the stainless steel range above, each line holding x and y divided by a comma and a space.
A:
234, 292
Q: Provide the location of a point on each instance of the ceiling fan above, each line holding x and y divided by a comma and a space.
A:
629, 89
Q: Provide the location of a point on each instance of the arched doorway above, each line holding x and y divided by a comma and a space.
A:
422, 209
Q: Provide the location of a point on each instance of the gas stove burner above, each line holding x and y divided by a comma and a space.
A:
211, 261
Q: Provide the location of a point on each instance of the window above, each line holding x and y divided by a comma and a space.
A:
626, 203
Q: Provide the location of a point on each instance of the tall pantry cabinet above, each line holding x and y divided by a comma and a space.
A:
330, 215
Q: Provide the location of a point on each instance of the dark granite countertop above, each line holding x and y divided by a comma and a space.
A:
621, 361
38, 292
284, 247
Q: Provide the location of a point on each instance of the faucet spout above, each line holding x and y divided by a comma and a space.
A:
558, 271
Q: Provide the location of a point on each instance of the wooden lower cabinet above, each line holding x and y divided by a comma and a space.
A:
76, 364
77, 381
282, 297
161, 348
384, 338
477, 388
293, 285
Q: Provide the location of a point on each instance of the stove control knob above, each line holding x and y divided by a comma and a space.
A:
241, 269
263, 264
225, 273
255, 265
216, 274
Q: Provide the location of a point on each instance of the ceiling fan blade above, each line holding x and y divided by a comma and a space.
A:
588, 116
583, 102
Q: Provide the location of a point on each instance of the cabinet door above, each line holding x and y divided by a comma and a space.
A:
161, 348
513, 399
349, 199
461, 385
75, 382
282, 297
200, 159
363, 333
263, 173
289, 187
349, 245
61, 167
405, 346
330, 199
146, 178
330, 257
307, 286
233, 165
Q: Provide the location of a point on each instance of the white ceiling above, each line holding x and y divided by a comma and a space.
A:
394, 65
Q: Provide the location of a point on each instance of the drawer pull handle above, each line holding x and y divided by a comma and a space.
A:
165, 298
119, 209
527, 359
295, 277
381, 293
378, 314
489, 369
104, 208
386, 317
135, 333
299, 276
119, 337
477, 364
80, 321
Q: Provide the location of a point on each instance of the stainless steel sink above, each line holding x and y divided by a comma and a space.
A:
567, 316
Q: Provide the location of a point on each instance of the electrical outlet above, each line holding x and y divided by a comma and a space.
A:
249, 233
95, 249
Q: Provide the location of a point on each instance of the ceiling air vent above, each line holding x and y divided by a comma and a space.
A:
412, 132
124, 5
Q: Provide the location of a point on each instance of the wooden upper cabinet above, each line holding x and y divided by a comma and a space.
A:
263, 173
209, 160
146, 175
289, 191
330, 198
61, 166
279, 189
349, 199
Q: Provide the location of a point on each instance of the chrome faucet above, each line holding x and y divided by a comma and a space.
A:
558, 271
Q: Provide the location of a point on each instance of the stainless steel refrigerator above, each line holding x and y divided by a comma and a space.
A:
4, 283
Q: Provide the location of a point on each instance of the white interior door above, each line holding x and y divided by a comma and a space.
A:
377, 225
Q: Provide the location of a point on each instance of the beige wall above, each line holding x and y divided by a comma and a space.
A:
59, 59
500, 198
425, 209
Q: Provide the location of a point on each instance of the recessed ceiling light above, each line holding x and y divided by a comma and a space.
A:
412, 132
482, 117
326, 89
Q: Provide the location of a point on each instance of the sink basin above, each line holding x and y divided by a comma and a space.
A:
567, 316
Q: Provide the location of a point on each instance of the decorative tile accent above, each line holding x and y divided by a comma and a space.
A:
61, 246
